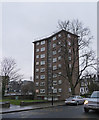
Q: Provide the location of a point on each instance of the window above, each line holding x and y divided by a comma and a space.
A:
37, 76
42, 70
60, 90
37, 50
54, 67
42, 55
54, 52
59, 65
54, 82
69, 50
59, 43
69, 43
42, 90
59, 50
42, 42
37, 63
54, 90
54, 59
69, 65
68, 36
42, 77
59, 35
42, 84
54, 45
54, 75
42, 49
54, 38
37, 70
59, 58
59, 73
69, 58
69, 89
37, 84
42, 62
37, 91
60, 82
37, 43
37, 56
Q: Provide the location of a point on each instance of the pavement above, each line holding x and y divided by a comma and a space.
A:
17, 108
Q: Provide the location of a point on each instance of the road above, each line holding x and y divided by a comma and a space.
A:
55, 112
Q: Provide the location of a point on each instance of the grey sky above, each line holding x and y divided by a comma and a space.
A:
24, 22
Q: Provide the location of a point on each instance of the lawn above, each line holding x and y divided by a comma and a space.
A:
17, 102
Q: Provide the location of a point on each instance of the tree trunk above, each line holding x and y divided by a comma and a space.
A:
73, 90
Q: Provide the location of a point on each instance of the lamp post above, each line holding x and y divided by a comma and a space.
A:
52, 94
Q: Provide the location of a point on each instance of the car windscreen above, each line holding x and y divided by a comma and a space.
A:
95, 95
70, 98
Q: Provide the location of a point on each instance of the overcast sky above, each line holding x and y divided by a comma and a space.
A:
24, 22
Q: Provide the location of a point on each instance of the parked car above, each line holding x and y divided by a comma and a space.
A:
74, 100
92, 103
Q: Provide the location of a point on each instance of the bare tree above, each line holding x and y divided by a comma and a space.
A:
81, 53
9, 72
28, 88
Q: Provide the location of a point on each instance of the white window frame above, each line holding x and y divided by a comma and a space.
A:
59, 42
54, 38
69, 58
59, 58
59, 65
42, 90
54, 59
59, 35
69, 43
68, 35
42, 49
42, 84
54, 75
54, 52
37, 50
54, 67
42, 77
59, 73
55, 90
37, 70
42, 62
69, 50
37, 84
59, 82
54, 82
37, 76
70, 66
42, 56
54, 45
43, 42
37, 43
37, 63
59, 50
60, 90
42, 70
37, 56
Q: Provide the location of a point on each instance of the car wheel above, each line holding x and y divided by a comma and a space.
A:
77, 103
86, 110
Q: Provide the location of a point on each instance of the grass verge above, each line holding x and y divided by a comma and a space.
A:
17, 102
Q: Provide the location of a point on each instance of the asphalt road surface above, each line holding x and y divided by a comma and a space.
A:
55, 112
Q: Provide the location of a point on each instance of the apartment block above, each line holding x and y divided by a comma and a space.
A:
49, 65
